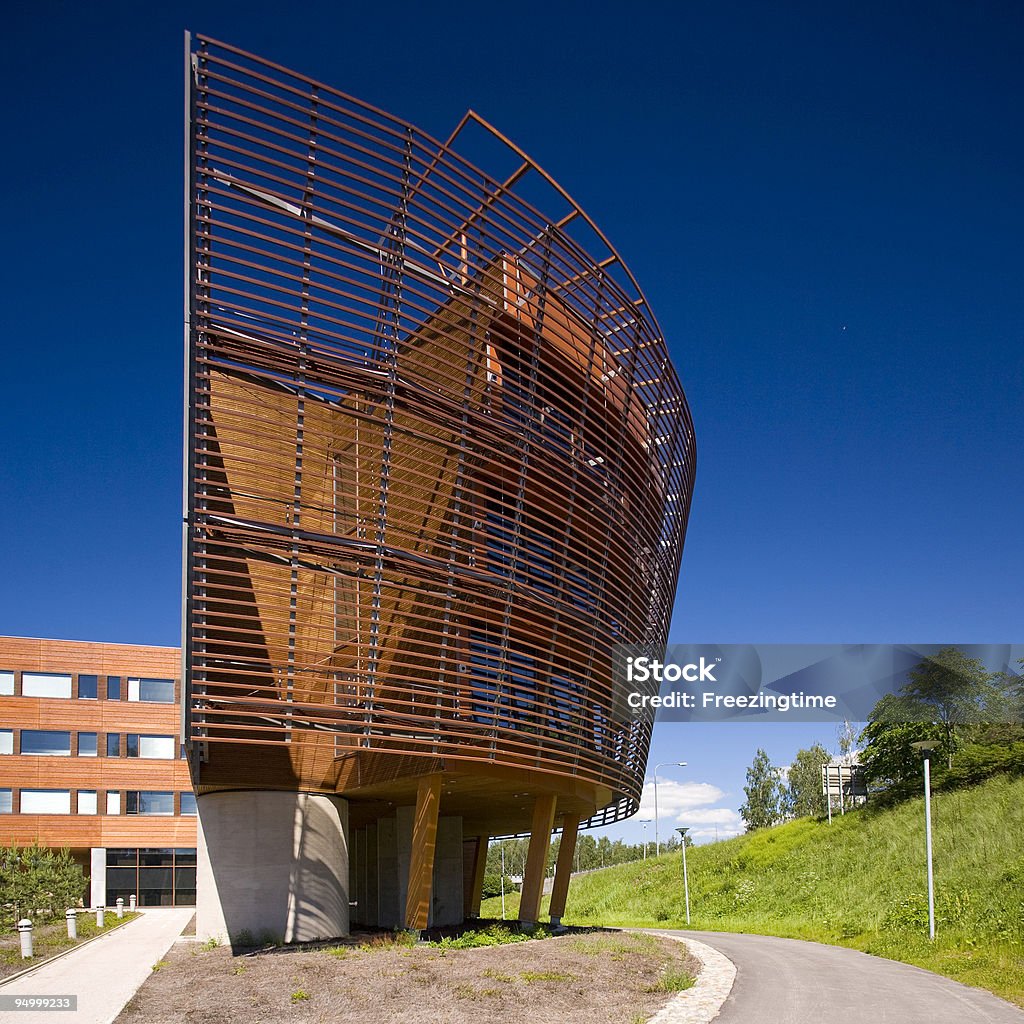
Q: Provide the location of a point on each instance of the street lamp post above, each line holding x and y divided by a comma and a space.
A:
926, 747
686, 880
645, 822
677, 764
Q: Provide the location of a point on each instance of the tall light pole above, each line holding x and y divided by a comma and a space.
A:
686, 880
926, 747
677, 764
645, 822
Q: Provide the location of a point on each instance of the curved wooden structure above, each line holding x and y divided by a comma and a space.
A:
439, 464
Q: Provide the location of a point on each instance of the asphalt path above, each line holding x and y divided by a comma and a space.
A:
786, 981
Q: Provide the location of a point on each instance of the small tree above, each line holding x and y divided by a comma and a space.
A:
805, 793
38, 880
766, 795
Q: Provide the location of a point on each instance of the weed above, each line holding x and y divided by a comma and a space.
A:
498, 976
675, 979
531, 976
159, 966
300, 995
211, 943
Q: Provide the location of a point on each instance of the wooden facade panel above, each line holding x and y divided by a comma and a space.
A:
81, 831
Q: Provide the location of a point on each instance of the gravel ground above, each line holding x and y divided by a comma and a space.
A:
587, 978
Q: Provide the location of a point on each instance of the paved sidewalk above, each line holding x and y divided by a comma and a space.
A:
104, 974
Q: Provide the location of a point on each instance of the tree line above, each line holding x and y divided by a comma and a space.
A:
975, 717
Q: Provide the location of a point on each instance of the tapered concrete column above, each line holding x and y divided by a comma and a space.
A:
421, 856
475, 878
563, 867
98, 877
537, 858
273, 865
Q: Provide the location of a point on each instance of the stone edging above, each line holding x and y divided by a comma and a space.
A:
703, 1002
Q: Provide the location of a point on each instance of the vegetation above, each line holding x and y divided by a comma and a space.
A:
494, 935
766, 795
38, 883
859, 882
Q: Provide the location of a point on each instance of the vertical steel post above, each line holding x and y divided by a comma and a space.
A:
928, 845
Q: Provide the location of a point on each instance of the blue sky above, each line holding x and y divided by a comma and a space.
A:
822, 203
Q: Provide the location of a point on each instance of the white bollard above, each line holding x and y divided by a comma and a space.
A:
120, 906
72, 919
131, 902
99, 917
25, 931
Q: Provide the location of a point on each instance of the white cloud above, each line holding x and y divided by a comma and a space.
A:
691, 804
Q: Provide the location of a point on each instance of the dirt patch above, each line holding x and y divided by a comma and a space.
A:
589, 979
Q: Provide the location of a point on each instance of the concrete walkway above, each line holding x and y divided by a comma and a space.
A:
786, 981
104, 974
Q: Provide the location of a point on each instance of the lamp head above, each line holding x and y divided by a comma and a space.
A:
925, 746
682, 832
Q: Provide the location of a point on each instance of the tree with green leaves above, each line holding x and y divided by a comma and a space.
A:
765, 792
35, 880
804, 778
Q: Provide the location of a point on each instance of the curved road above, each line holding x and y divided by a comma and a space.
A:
786, 981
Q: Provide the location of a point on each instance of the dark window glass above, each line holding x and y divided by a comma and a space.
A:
155, 878
88, 687
156, 691
149, 802
184, 856
113, 744
121, 878
156, 858
87, 744
113, 687
122, 857
133, 744
45, 741
188, 803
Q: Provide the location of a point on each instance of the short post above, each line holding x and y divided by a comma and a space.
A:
120, 906
25, 931
99, 917
71, 916
131, 902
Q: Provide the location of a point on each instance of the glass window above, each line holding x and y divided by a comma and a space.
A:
46, 801
45, 684
87, 744
188, 803
87, 801
6, 741
149, 802
113, 687
6, 801
6, 684
88, 687
113, 744
163, 747
45, 742
113, 801
151, 691
122, 858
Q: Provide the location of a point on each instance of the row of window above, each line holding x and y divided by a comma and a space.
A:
58, 801
61, 685
57, 743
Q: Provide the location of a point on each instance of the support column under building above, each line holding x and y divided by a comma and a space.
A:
563, 867
537, 858
272, 866
98, 877
477, 868
421, 854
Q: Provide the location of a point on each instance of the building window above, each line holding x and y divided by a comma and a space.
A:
151, 691
46, 743
6, 684
6, 741
152, 746
113, 744
113, 687
6, 801
188, 803
45, 684
113, 801
88, 687
149, 802
46, 801
87, 801
158, 877
87, 744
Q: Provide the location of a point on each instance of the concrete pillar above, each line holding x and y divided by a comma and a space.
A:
389, 914
446, 902
274, 865
537, 857
474, 877
371, 912
98, 877
361, 893
563, 868
355, 906
421, 855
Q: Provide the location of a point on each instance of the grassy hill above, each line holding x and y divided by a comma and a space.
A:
859, 882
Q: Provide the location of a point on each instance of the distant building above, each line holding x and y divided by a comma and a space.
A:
91, 759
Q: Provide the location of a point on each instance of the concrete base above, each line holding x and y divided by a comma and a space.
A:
272, 866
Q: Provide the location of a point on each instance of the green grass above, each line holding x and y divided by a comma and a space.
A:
859, 882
